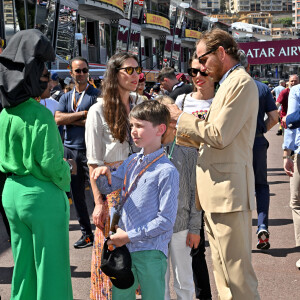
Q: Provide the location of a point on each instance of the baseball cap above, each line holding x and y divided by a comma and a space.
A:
180, 75
142, 77
54, 76
116, 264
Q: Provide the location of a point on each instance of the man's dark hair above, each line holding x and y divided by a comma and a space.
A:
151, 111
166, 72
78, 58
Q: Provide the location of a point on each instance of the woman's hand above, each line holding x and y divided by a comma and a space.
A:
193, 240
100, 214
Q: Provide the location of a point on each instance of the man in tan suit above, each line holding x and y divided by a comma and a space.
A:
225, 179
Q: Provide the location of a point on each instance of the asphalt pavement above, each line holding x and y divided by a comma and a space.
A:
275, 268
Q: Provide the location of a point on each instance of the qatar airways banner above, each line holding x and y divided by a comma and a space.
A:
275, 52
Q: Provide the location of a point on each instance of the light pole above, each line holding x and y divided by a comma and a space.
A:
182, 5
130, 21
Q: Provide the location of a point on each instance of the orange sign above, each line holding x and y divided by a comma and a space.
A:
192, 34
151, 77
158, 20
117, 3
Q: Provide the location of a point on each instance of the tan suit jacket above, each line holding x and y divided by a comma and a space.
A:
225, 178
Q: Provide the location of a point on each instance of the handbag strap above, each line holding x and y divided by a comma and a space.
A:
183, 100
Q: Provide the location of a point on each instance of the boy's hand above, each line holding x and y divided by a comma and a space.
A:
100, 214
119, 239
102, 171
192, 240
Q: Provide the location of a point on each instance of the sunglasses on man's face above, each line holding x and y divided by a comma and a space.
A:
84, 71
203, 61
130, 70
194, 72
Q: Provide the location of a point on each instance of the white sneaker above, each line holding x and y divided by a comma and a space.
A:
298, 264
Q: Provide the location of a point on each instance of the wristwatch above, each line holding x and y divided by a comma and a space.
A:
70, 165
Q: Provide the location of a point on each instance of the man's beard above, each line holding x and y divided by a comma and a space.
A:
217, 72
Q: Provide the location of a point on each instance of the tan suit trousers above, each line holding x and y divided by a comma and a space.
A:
295, 198
230, 241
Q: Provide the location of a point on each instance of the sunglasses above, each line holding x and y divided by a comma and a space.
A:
202, 61
130, 70
84, 71
194, 72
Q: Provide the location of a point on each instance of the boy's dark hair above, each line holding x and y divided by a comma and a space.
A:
166, 72
151, 111
78, 58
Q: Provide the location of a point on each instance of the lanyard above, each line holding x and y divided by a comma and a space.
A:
125, 194
75, 104
172, 149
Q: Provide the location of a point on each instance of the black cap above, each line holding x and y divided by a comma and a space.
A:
116, 264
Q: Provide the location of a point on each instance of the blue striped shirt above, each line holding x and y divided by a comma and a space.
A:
292, 136
149, 214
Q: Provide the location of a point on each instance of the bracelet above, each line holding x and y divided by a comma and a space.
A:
287, 156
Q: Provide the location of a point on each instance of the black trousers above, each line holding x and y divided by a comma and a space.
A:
2, 182
200, 271
78, 188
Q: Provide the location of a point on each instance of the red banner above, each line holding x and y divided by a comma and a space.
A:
274, 52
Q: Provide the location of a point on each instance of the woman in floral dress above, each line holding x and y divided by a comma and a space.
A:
108, 143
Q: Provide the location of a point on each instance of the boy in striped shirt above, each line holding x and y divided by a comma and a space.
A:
149, 185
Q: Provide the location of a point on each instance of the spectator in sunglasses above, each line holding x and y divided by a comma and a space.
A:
196, 103
108, 143
169, 82
72, 112
225, 178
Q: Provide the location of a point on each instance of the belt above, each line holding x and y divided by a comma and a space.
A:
259, 135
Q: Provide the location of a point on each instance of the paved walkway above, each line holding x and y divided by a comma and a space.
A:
277, 275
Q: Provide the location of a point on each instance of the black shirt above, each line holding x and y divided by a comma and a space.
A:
181, 89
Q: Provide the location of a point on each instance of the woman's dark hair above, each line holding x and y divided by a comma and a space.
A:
113, 108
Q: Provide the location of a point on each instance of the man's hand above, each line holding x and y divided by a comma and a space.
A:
283, 121
174, 111
288, 166
100, 214
102, 171
119, 239
192, 240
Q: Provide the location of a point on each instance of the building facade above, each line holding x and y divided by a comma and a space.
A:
159, 33
238, 6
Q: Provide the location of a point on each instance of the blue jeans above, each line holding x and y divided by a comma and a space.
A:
261, 183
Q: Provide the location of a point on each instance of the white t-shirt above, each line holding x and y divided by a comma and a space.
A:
51, 104
196, 107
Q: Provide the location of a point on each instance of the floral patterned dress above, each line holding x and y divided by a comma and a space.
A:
101, 286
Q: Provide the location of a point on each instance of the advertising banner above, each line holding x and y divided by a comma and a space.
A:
157, 20
116, 3
192, 34
272, 52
